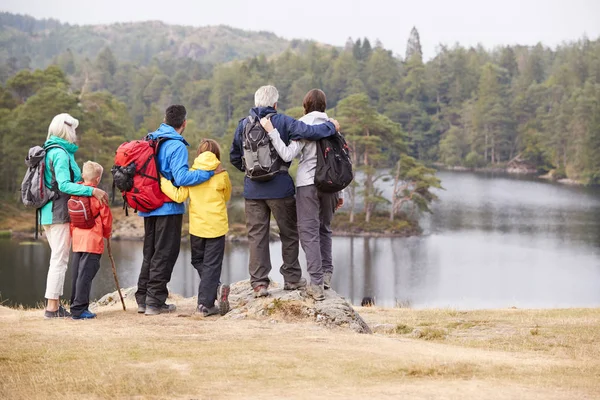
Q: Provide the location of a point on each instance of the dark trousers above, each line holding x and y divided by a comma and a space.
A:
258, 222
85, 266
207, 258
162, 240
315, 213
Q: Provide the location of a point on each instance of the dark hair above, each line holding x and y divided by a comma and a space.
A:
314, 100
210, 145
175, 116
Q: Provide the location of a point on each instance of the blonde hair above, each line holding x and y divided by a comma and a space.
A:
63, 126
91, 170
266, 96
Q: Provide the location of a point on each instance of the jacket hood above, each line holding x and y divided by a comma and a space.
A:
261, 112
315, 118
168, 132
206, 161
68, 146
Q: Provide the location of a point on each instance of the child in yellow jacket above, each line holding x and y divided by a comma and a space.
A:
208, 226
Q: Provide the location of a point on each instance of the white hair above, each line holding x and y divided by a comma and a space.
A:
63, 126
266, 96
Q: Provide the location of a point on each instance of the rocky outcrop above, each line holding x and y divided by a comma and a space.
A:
295, 305
113, 298
518, 165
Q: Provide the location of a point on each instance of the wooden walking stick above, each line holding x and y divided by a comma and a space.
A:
114, 269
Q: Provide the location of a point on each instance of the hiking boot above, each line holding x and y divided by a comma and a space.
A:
165, 309
60, 313
86, 314
141, 308
327, 280
261, 291
316, 292
296, 285
207, 311
223, 298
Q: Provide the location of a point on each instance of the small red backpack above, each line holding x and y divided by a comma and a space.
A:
136, 174
80, 212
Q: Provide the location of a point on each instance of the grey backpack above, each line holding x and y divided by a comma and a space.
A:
261, 160
34, 192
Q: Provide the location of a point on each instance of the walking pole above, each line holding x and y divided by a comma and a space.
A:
114, 269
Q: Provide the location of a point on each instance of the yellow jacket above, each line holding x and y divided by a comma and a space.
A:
208, 211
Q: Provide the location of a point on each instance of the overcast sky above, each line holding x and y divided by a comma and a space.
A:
332, 21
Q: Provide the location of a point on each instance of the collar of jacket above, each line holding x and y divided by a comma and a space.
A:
167, 132
68, 146
262, 111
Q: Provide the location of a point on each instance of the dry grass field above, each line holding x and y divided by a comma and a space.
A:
416, 354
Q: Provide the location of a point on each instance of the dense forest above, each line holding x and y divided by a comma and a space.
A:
469, 107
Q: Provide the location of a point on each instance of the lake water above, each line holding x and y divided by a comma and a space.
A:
493, 241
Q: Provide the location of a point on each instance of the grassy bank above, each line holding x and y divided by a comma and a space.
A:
21, 222
419, 354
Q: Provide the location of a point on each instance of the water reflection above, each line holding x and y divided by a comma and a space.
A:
492, 242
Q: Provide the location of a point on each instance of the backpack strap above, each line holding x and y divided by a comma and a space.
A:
56, 146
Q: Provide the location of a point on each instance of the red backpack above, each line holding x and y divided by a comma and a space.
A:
80, 212
136, 175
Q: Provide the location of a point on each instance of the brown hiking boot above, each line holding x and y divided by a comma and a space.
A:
316, 292
261, 291
327, 280
296, 285
223, 299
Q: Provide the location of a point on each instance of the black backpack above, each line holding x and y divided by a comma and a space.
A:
261, 160
334, 166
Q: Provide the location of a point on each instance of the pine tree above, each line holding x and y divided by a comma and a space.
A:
413, 47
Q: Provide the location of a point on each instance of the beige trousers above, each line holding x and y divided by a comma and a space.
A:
59, 239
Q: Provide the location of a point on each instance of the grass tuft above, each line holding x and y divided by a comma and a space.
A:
402, 329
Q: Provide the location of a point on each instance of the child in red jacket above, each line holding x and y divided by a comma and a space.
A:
88, 245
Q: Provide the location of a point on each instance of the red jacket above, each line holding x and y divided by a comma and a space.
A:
92, 240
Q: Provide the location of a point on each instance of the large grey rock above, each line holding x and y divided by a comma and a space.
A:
334, 311
113, 298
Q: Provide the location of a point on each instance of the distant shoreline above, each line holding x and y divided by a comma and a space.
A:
232, 238
510, 171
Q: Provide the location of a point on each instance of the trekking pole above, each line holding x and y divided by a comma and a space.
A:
114, 270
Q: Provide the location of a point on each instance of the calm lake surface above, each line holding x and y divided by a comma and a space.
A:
493, 241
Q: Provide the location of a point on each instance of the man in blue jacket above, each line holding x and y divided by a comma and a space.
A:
162, 227
275, 196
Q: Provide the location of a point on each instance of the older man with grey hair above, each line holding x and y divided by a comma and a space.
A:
276, 196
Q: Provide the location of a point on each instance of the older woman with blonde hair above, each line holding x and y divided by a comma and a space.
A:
62, 175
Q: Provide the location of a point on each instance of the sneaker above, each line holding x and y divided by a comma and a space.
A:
206, 311
316, 292
296, 285
223, 298
261, 291
165, 309
86, 314
327, 280
141, 308
60, 313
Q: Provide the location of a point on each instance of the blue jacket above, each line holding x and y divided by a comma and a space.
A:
282, 185
173, 165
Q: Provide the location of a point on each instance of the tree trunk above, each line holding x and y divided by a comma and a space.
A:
353, 187
485, 152
394, 193
352, 202
493, 150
